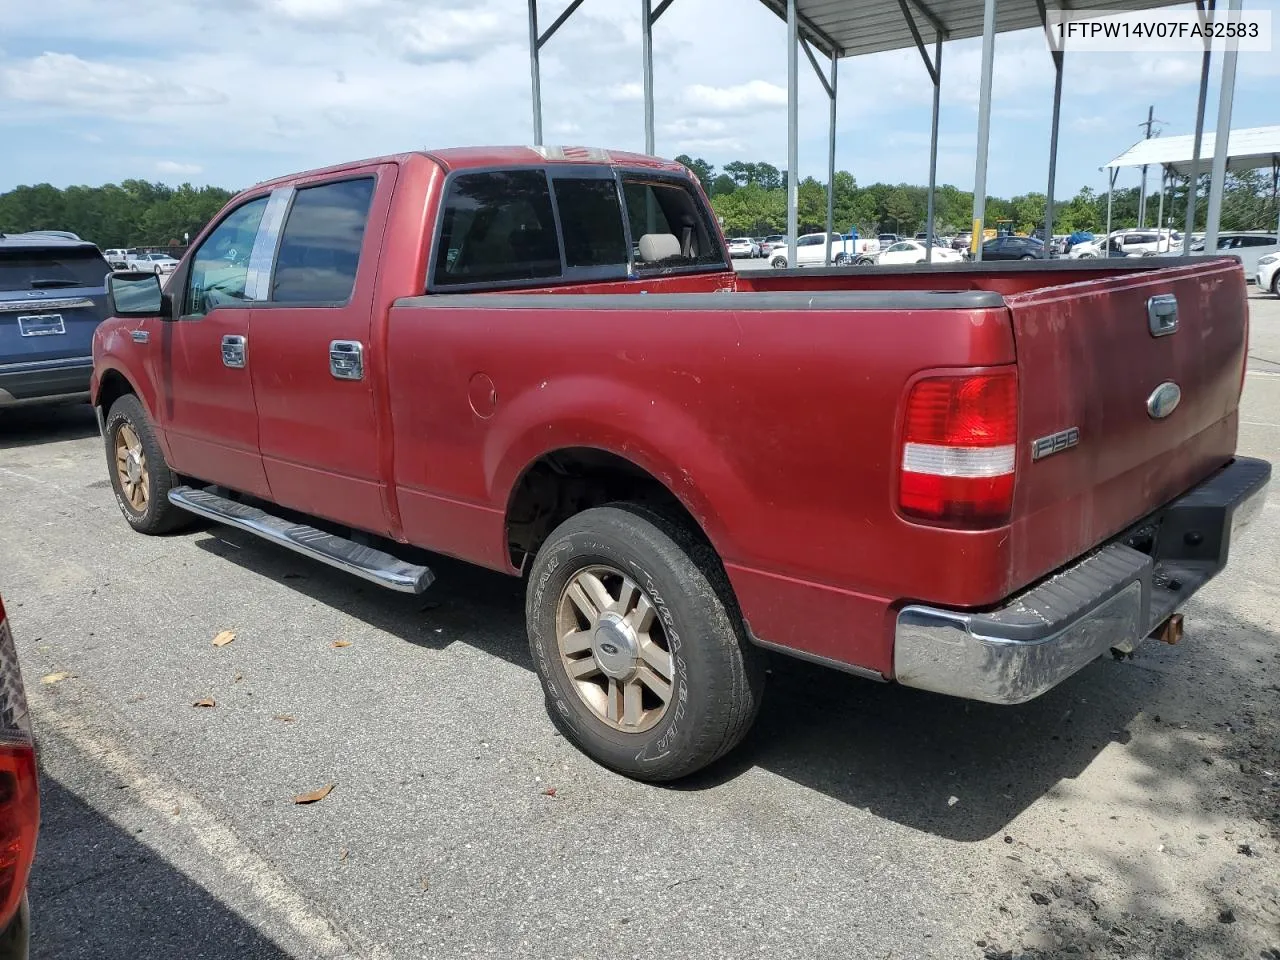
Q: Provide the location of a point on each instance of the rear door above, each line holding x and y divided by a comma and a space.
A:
52, 298
1136, 376
314, 355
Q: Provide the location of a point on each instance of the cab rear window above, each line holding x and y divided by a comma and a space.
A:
46, 268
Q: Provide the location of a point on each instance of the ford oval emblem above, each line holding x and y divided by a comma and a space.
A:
1163, 400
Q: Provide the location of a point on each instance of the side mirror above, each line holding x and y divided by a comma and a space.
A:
137, 294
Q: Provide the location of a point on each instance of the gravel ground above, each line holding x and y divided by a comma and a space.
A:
1132, 812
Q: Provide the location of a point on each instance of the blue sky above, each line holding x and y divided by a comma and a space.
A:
236, 91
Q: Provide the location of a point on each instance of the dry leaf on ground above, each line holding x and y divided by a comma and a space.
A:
55, 677
314, 795
224, 637
340, 643
206, 702
283, 718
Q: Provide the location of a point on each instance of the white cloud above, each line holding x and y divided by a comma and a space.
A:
449, 35
752, 95
179, 169
65, 80
625, 93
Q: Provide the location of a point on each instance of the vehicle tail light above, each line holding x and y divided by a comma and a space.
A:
959, 445
19, 791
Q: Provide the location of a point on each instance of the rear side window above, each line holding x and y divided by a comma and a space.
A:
51, 268
497, 227
675, 223
320, 244
591, 221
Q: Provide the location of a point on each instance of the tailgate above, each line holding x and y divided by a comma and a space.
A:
1089, 361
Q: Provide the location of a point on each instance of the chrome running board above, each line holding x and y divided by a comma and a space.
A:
339, 552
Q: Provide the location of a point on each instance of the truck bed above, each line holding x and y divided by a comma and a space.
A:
772, 409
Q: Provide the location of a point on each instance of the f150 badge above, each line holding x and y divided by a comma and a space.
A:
1163, 400
1055, 443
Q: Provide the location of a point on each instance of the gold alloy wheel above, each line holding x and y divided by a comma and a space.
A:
614, 647
131, 467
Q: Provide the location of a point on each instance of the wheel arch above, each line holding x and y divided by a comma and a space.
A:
562, 482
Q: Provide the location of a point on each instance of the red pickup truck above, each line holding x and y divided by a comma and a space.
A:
972, 479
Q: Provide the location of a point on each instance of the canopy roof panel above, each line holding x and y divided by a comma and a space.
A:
1247, 149
855, 27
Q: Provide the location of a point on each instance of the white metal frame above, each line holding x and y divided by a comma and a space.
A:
803, 34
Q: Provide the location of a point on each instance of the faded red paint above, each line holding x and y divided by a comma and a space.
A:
779, 430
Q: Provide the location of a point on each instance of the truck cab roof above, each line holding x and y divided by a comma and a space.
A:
462, 158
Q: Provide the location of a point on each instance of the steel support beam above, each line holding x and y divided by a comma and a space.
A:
1193, 177
819, 38
535, 72
1221, 141
1164, 178
1111, 189
1275, 187
930, 213
984, 124
793, 129
646, 48
1058, 57
934, 68
831, 157
536, 40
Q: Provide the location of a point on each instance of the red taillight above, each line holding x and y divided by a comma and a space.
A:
959, 445
19, 792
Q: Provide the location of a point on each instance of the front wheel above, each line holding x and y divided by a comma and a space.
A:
841, 260
140, 476
638, 644
1275, 283
1026, 256
778, 263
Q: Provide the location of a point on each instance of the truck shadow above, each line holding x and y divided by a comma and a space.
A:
27, 426
949, 767
97, 892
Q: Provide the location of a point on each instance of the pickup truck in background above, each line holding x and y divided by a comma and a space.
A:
973, 479
52, 297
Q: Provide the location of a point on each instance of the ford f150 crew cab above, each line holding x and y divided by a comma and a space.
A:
973, 479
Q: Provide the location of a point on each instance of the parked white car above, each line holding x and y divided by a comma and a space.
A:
811, 251
1089, 249
1268, 275
743, 247
913, 251
1250, 247
157, 263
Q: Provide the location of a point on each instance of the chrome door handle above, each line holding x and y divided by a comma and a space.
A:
233, 351
1162, 314
346, 359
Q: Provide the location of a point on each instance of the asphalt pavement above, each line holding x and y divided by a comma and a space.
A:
857, 820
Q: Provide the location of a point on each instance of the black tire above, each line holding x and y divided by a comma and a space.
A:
158, 515
1275, 284
778, 263
718, 676
841, 260
1027, 256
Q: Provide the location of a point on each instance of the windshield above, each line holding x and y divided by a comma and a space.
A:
50, 268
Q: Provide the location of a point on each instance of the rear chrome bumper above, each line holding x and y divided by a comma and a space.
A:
1115, 596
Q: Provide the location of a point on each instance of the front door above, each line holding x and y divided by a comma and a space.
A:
205, 359
316, 354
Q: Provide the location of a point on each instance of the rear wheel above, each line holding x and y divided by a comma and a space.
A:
1026, 256
638, 644
1275, 283
841, 260
778, 263
140, 476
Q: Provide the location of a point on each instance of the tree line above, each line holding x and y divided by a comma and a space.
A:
134, 213
752, 200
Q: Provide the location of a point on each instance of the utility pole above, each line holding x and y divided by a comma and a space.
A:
1142, 198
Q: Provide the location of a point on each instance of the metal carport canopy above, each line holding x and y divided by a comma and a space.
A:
854, 27
1247, 149
848, 28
